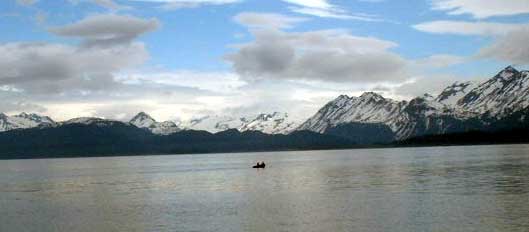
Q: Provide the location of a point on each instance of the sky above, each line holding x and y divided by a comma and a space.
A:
183, 59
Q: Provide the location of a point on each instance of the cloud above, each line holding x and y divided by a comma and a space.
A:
26, 2
107, 29
338, 14
111, 5
509, 44
331, 55
267, 20
324, 9
220, 82
41, 17
20, 106
53, 68
439, 61
321, 4
108, 4
178, 4
42, 68
512, 47
482, 8
431, 83
467, 28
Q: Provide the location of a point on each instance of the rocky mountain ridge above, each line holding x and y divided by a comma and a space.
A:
462, 106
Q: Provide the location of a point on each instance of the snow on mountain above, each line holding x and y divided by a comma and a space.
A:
23, 121
368, 108
143, 120
451, 94
500, 96
212, 123
90, 121
404, 118
273, 123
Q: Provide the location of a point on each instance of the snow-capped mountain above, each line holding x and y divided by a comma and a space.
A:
211, 123
273, 123
23, 121
372, 108
368, 108
505, 93
451, 94
459, 107
90, 121
143, 120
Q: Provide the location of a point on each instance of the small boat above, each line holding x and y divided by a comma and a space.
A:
261, 165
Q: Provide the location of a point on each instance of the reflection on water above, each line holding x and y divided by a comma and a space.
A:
478, 188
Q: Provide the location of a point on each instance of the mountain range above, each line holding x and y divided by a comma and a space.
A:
270, 123
497, 104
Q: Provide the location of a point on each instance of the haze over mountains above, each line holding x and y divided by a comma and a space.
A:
499, 103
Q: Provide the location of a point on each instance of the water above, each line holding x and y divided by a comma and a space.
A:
475, 188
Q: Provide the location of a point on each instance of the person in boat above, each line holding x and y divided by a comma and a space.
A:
259, 165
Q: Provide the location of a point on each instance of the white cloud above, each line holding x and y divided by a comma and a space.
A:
178, 4
467, 28
108, 4
509, 44
267, 20
439, 61
111, 5
26, 2
324, 9
482, 8
322, 4
512, 47
221, 82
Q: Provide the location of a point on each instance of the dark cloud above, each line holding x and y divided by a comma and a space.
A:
45, 68
53, 68
105, 30
334, 56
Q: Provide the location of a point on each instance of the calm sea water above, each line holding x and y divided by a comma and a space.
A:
475, 188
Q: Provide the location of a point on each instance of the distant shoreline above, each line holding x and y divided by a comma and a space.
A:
359, 147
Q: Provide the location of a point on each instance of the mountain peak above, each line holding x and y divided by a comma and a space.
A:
342, 97
143, 120
372, 95
507, 73
510, 68
23, 115
141, 117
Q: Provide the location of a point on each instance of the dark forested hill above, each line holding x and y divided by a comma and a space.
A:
74, 140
